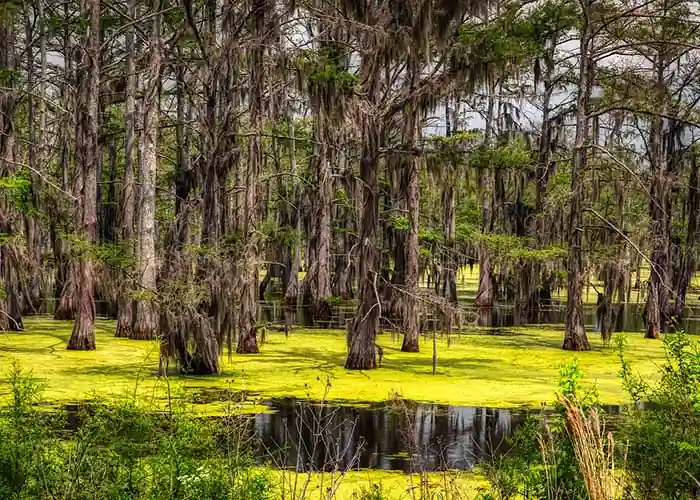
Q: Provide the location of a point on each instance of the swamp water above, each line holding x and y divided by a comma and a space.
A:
625, 317
409, 436
403, 436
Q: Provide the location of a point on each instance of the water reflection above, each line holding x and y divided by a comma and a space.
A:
404, 436
408, 436
625, 317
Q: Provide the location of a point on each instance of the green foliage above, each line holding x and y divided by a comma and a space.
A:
400, 223
18, 189
322, 69
9, 77
512, 154
662, 431
510, 247
334, 301
549, 19
570, 387
121, 451
372, 492
116, 255
451, 147
510, 39
19, 435
429, 236
541, 463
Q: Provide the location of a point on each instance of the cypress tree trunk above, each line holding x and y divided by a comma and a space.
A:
657, 305
575, 338
32, 292
184, 176
657, 296
8, 102
68, 301
294, 257
247, 340
449, 225
128, 201
109, 210
361, 344
83, 335
485, 295
412, 195
145, 324
411, 311
317, 283
61, 261
688, 260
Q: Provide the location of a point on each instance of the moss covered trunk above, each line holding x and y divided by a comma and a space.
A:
247, 339
660, 150
317, 283
128, 199
575, 338
412, 195
361, 348
83, 335
145, 324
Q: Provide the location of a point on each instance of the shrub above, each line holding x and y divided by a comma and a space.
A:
121, 452
542, 463
662, 431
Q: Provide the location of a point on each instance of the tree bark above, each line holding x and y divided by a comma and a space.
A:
33, 292
185, 179
688, 259
317, 283
657, 305
247, 340
361, 345
291, 289
575, 338
83, 335
411, 311
145, 324
128, 201
63, 259
485, 295
412, 195
61, 262
8, 104
449, 225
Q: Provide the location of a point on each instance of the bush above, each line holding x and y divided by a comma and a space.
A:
662, 431
121, 452
541, 463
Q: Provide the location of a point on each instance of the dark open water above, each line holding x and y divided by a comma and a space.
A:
626, 317
407, 436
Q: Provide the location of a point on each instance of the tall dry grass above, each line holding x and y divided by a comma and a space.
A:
594, 450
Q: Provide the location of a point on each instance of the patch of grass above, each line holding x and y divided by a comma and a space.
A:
476, 370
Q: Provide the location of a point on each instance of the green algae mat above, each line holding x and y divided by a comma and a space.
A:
473, 369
